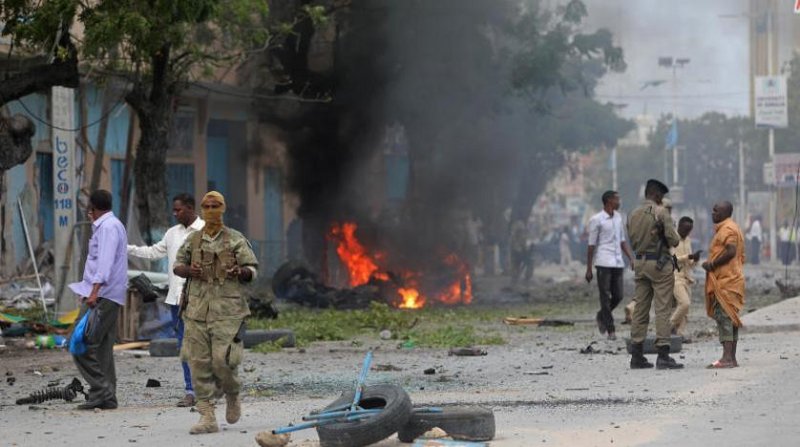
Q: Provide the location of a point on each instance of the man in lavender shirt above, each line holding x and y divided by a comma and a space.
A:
103, 289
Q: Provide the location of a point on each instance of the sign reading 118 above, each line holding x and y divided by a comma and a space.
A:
63, 204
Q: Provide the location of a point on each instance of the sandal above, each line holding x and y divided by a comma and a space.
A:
720, 365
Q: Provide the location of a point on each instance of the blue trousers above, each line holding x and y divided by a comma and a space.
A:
177, 323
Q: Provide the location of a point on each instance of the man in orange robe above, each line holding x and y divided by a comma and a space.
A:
725, 281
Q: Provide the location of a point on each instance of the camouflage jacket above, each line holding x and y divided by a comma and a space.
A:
214, 296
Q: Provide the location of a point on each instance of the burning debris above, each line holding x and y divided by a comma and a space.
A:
370, 278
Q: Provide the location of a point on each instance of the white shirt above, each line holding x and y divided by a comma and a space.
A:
607, 233
755, 231
169, 246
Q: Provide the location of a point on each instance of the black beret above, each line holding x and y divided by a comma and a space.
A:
653, 183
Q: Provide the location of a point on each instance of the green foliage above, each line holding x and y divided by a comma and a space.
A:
452, 337
35, 25
428, 327
270, 346
128, 34
709, 168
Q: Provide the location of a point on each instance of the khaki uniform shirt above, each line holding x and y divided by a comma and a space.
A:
686, 265
212, 299
642, 231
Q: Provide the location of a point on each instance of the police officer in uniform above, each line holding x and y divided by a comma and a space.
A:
652, 234
216, 261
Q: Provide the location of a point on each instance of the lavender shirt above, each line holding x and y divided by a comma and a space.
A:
107, 262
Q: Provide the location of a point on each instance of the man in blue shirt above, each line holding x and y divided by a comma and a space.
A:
102, 290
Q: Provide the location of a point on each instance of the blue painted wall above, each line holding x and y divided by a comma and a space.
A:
217, 164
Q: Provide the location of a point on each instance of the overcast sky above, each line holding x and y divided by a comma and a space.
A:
716, 77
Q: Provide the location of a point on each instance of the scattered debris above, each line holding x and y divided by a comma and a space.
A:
467, 352
429, 371
435, 433
537, 373
152, 383
386, 367
516, 321
386, 334
590, 349
68, 393
446, 443
132, 345
268, 439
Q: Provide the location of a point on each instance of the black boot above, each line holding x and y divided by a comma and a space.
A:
638, 360
664, 361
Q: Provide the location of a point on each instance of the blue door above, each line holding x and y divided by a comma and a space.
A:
217, 164
273, 209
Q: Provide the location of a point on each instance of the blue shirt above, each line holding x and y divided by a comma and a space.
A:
107, 261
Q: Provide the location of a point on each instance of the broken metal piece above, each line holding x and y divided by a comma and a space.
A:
467, 352
68, 393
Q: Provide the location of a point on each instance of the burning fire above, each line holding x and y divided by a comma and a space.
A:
359, 263
363, 266
411, 298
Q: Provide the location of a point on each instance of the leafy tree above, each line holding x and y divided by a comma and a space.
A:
709, 163
44, 56
159, 47
156, 47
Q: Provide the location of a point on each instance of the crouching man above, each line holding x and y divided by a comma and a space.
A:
216, 262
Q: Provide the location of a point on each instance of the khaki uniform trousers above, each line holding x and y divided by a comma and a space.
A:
213, 356
683, 298
653, 287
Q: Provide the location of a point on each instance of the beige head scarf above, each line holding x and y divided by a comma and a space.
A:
213, 216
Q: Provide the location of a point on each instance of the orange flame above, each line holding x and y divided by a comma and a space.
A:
361, 267
359, 263
411, 298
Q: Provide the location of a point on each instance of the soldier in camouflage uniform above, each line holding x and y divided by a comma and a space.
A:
649, 227
216, 261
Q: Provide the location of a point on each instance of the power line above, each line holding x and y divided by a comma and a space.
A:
93, 123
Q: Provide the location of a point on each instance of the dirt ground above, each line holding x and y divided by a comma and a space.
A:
543, 391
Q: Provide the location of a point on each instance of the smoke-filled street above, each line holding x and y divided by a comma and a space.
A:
438, 223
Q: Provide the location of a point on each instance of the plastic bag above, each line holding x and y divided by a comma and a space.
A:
77, 341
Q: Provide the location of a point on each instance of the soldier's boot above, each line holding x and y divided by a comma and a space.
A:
664, 361
233, 408
208, 421
638, 360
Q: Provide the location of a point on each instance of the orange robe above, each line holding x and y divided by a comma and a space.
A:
726, 283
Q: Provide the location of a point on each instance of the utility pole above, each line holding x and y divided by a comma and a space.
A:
773, 212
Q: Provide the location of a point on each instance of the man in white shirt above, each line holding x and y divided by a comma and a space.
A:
607, 245
188, 223
755, 237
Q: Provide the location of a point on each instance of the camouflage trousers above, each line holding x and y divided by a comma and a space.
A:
213, 356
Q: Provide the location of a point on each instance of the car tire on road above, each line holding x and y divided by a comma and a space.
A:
253, 337
675, 344
462, 423
164, 347
396, 410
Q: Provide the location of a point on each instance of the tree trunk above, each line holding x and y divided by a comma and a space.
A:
149, 170
153, 103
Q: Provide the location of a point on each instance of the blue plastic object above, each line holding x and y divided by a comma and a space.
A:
77, 342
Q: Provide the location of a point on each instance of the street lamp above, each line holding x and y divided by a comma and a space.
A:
673, 63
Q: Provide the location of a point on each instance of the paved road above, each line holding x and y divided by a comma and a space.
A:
582, 400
